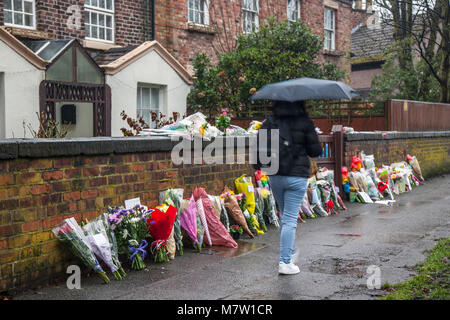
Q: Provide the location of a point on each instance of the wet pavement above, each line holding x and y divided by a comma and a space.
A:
335, 253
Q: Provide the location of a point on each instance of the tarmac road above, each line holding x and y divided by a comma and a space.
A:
335, 253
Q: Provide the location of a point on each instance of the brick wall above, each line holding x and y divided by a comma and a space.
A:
2, 21
432, 149
132, 20
172, 31
36, 194
52, 16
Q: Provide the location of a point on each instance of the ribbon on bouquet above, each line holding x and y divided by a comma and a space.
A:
156, 246
141, 250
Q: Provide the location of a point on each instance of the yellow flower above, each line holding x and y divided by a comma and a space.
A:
163, 208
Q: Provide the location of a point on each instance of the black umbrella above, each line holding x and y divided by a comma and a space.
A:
305, 89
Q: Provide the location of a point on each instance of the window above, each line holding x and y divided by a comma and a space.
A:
198, 12
293, 10
148, 99
19, 13
250, 15
329, 29
99, 20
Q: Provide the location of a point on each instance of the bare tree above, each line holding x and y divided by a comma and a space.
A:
421, 26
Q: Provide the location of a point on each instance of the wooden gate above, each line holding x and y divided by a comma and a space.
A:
333, 153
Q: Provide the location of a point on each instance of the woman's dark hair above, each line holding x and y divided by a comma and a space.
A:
299, 105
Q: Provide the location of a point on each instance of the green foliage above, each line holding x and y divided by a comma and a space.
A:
414, 82
433, 279
277, 52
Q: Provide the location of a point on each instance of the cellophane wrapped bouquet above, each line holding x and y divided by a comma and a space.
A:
96, 235
113, 242
71, 233
173, 197
160, 226
130, 228
269, 203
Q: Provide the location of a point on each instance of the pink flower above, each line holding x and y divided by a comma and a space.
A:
224, 112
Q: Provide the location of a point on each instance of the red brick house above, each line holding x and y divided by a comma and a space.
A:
188, 27
112, 31
183, 27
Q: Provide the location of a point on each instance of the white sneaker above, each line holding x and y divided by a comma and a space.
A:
288, 268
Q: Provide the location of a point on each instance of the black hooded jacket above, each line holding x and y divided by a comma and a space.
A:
304, 137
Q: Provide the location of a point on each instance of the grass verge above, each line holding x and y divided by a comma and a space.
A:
432, 281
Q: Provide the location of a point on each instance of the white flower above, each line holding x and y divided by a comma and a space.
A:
133, 243
125, 234
135, 220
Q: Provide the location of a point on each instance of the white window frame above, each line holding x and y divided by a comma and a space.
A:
299, 6
103, 11
253, 13
203, 11
161, 92
23, 15
331, 30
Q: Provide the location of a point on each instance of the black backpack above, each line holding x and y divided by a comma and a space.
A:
285, 153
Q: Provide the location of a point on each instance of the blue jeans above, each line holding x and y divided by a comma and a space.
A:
288, 193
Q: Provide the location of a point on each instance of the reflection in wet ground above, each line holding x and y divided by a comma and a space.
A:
244, 247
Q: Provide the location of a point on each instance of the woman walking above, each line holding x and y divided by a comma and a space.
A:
298, 142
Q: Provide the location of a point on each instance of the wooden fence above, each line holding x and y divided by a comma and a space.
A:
405, 115
333, 153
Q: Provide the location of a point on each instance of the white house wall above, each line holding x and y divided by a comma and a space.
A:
149, 69
19, 94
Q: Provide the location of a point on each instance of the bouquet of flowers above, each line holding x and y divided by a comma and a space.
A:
234, 211
160, 226
259, 209
72, 234
188, 221
244, 185
174, 197
414, 163
262, 180
270, 207
130, 228
314, 197
306, 208
223, 214
201, 214
96, 235
113, 242
223, 121
218, 233
236, 231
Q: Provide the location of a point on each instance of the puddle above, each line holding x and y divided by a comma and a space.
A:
244, 247
400, 238
331, 265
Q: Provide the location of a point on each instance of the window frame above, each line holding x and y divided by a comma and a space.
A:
106, 12
205, 13
332, 31
299, 10
161, 89
251, 11
23, 14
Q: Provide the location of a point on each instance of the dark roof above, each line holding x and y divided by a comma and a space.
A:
111, 55
47, 49
370, 42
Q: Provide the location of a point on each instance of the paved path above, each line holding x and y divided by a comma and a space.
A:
333, 264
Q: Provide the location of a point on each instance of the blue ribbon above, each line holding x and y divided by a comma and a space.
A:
140, 249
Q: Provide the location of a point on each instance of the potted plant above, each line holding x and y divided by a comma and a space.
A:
236, 231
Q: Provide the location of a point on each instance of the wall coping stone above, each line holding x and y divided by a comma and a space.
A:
394, 135
47, 148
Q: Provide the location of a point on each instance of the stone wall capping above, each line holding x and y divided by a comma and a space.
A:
394, 135
47, 148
